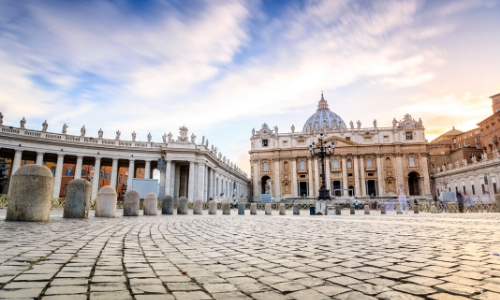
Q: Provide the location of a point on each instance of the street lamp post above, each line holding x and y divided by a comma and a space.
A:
322, 150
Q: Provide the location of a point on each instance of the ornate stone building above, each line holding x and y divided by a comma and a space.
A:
192, 169
367, 160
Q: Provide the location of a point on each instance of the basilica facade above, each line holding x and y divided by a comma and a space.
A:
367, 161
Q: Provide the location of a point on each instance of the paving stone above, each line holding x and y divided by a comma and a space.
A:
66, 297
458, 289
354, 296
148, 289
66, 290
344, 280
230, 295
414, 289
427, 281
307, 295
268, 296
487, 296
445, 296
395, 295
156, 297
110, 295
331, 290
369, 289
20, 293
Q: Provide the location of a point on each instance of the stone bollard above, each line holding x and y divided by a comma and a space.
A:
131, 203
296, 210
226, 208
367, 209
182, 206
282, 209
77, 203
167, 205
253, 208
212, 207
415, 209
150, 205
105, 206
241, 208
198, 207
338, 210
382, 209
434, 209
352, 209
31, 194
269, 209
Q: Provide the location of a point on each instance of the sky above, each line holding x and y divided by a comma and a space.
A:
221, 68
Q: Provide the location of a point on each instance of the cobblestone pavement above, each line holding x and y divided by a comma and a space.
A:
252, 257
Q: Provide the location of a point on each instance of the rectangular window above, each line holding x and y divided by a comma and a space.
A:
302, 142
264, 143
463, 187
473, 190
386, 138
285, 143
348, 138
494, 188
482, 188
368, 138
432, 166
409, 135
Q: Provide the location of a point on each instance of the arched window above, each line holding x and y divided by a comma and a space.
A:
53, 170
388, 162
335, 163
411, 161
285, 166
349, 164
107, 175
120, 179
302, 165
266, 167
369, 162
69, 172
84, 172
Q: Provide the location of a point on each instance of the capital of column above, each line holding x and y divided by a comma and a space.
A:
276, 159
424, 154
115, 159
344, 156
293, 158
379, 155
60, 155
79, 156
38, 152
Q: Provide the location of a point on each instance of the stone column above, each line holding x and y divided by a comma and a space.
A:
200, 182
39, 158
147, 170
58, 176
380, 175
161, 184
95, 179
114, 173
131, 174
78, 167
362, 171
425, 169
177, 182
294, 176
316, 177
345, 193
277, 181
328, 174
168, 178
256, 187
191, 182
173, 167
310, 177
206, 187
211, 193
16, 164
356, 176
399, 170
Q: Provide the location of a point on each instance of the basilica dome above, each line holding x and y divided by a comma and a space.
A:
324, 118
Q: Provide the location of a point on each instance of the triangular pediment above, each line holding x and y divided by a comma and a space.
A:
341, 142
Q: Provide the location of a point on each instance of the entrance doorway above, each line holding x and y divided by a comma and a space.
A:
351, 191
413, 184
263, 182
337, 186
371, 187
303, 189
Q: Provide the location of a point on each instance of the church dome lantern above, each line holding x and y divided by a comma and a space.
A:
324, 119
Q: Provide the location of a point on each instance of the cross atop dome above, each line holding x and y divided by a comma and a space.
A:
322, 104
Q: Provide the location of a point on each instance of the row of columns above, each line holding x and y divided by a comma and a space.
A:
359, 175
200, 182
16, 164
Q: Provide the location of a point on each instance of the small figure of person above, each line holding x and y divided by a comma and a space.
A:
469, 203
356, 205
235, 204
403, 202
460, 201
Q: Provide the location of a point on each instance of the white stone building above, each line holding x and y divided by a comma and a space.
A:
367, 160
192, 169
